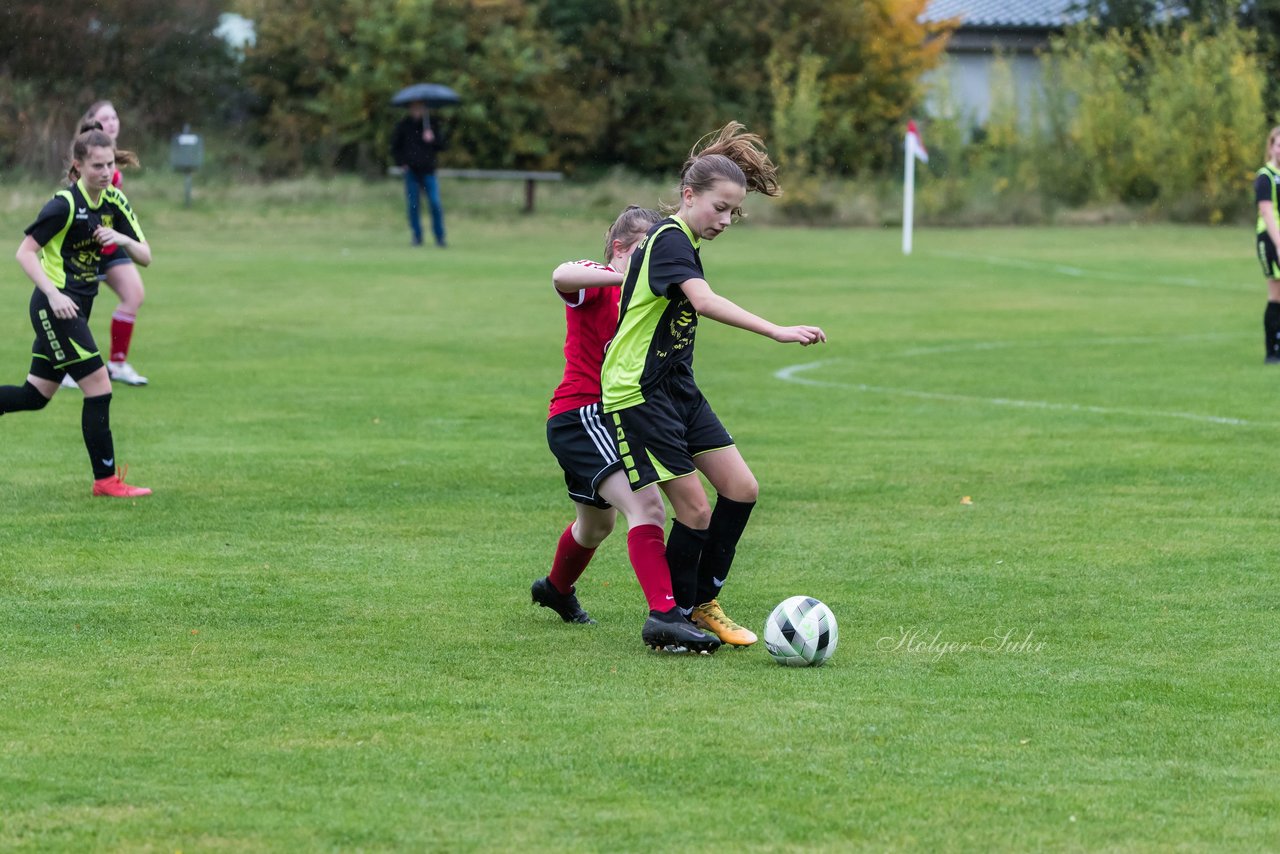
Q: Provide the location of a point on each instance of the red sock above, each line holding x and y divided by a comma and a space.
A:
649, 559
121, 332
570, 562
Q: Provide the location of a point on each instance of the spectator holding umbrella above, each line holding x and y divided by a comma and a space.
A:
415, 143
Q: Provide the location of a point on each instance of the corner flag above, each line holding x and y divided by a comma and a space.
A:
915, 145
914, 148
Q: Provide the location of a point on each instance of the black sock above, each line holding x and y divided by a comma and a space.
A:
684, 547
1271, 323
95, 424
23, 398
728, 521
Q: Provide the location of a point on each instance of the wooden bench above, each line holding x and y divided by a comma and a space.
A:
530, 179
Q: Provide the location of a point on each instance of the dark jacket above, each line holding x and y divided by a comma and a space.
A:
408, 148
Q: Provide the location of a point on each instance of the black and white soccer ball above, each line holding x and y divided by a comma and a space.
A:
801, 632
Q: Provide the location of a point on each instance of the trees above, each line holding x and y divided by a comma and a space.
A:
158, 59
1167, 122
680, 70
873, 55
574, 83
322, 72
546, 83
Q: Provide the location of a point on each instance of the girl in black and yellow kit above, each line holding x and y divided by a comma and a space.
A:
1267, 241
666, 430
62, 255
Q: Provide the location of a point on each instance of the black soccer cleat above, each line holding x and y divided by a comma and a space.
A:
546, 595
671, 631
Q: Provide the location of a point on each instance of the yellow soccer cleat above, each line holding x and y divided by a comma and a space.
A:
713, 618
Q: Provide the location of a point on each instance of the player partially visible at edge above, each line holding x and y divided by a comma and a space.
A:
1267, 240
665, 428
584, 447
62, 256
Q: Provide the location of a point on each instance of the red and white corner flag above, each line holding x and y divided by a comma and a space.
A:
914, 149
915, 145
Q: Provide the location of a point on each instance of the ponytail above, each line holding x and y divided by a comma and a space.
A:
734, 154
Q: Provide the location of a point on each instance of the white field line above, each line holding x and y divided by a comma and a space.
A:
793, 375
977, 346
1082, 273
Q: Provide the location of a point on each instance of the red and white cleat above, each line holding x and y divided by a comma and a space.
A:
123, 372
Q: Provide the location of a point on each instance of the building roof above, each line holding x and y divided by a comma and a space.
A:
1006, 14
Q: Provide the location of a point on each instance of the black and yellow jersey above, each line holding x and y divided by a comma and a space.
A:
656, 323
1264, 190
71, 257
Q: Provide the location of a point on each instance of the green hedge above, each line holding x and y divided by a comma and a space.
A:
1167, 125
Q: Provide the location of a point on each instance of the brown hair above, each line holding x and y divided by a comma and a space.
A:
1271, 138
92, 135
732, 154
634, 221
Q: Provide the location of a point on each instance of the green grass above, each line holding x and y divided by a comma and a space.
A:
317, 633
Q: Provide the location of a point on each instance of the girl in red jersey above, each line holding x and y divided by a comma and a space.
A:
122, 274
592, 461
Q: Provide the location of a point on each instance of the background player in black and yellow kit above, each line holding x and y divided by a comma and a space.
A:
1268, 238
666, 430
62, 255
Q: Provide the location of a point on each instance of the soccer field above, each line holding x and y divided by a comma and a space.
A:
1031, 473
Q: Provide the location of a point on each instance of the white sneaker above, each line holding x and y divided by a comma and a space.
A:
123, 372
67, 382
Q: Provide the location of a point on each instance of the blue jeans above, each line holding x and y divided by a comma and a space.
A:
412, 181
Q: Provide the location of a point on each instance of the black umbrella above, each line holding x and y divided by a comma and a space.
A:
431, 94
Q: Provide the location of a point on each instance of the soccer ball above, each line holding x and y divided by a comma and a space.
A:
801, 631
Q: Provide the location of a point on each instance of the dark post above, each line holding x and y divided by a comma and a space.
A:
186, 154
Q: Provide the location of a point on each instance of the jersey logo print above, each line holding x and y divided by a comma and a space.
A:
681, 331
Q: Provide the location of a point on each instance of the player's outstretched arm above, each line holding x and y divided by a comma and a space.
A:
570, 277
710, 304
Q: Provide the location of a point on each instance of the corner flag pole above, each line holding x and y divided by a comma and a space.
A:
913, 148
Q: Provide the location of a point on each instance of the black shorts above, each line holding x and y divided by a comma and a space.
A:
659, 438
1267, 256
62, 346
584, 447
116, 259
